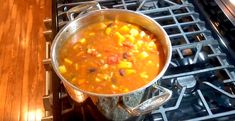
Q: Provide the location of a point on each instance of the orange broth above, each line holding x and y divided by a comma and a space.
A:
111, 57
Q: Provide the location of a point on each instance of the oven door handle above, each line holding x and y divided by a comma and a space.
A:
148, 105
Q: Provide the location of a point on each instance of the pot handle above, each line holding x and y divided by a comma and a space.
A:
150, 104
83, 8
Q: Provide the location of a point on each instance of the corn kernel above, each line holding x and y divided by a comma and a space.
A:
62, 69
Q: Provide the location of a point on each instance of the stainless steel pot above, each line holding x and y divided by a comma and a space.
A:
114, 14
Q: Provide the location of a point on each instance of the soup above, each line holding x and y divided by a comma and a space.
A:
111, 57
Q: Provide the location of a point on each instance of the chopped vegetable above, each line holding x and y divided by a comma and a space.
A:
143, 55
98, 55
97, 79
114, 86
62, 69
134, 32
108, 30
130, 71
125, 64
144, 75
124, 29
131, 39
139, 43
66, 60
142, 34
83, 40
120, 38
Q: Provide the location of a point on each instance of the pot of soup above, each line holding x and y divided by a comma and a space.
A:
110, 54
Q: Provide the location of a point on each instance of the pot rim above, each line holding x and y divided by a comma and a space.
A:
159, 75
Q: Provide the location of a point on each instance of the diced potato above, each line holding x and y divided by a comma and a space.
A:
131, 39
152, 44
62, 69
108, 30
66, 60
121, 38
130, 71
144, 75
143, 55
125, 64
139, 43
142, 34
134, 32
124, 29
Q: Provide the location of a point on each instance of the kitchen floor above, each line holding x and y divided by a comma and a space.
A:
22, 49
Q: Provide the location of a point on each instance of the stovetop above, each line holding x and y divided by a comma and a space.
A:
200, 74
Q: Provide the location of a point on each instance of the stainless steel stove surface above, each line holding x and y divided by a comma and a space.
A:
200, 74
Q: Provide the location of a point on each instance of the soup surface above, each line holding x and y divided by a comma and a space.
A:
111, 57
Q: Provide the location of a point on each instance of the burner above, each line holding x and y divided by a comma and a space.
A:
187, 81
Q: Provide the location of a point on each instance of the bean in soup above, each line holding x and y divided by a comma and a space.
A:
111, 57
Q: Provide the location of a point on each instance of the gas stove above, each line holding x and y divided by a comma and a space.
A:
201, 73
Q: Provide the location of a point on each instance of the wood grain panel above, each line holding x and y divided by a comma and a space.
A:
22, 48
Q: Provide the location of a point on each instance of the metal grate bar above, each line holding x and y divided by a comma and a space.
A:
197, 72
204, 102
220, 90
214, 116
